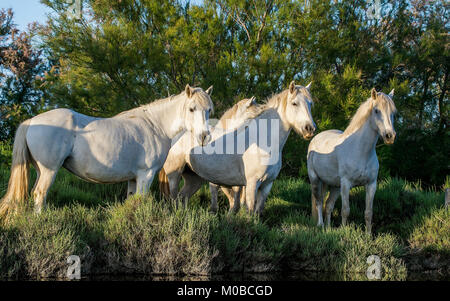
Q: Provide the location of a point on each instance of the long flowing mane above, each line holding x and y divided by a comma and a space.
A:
281, 98
252, 112
229, 113
365, 109
145, 106
200, 98
360, 117
276, 100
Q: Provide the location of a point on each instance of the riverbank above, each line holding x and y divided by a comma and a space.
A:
150, 236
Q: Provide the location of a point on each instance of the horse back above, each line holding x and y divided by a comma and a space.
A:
323, 157
51, 135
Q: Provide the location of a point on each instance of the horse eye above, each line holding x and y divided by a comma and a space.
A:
294, 103
377, 111
192, 110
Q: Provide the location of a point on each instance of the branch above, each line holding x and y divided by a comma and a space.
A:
238, 19
268, 8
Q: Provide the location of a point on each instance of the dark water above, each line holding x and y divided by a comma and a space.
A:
278, 276
432, 275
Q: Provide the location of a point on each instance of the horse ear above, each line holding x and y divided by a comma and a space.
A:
391, 94
209, 90
308, 86
250, 102
292, 87
188, 91
373, 93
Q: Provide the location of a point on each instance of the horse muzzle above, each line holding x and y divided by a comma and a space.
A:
389, 138
308, 131
204, 138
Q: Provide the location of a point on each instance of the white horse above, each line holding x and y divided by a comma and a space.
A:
341, 160
235, 193
254, 165
131, 146
237, 115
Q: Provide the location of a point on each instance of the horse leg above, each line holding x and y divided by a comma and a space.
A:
242, 197
38, 174
214, 190
345, 190
131, 188
192, 183
331, 200
314, 180
174, 179
316, 199
370, 193
41, 187
230, 194
250, 195
261, 197
237, 190
144, 180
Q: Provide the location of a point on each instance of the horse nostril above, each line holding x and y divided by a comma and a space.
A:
309, 128
390, 136
204, 136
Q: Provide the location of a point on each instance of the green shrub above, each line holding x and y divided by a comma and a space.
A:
42, 243
145, 235
433, 234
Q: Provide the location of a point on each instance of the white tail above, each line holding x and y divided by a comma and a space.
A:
18, 181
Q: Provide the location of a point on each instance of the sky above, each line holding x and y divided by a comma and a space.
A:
26, 11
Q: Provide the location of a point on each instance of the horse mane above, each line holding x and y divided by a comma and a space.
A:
256, 110
229, 113
252, 111
276, 100
365, 109
198, 97
202, 98
280, 99
145, 106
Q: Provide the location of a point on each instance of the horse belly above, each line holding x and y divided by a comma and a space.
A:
363, 175
106, 157
96, 172
326, 168
223, 169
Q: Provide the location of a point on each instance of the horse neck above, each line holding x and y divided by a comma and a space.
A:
366, 138
166, 116
284, 134
284, 129
230, 125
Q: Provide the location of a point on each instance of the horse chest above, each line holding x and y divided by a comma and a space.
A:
358, 175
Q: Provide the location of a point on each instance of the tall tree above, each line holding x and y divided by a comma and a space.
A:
120, 54
21, 68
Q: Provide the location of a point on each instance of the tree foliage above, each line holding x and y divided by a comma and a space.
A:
120, 54
21, 66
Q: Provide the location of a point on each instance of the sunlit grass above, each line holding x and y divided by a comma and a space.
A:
149, 235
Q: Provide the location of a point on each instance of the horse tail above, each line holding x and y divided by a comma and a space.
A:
163, 179
18, 181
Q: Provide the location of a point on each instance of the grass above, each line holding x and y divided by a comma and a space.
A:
146, 235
